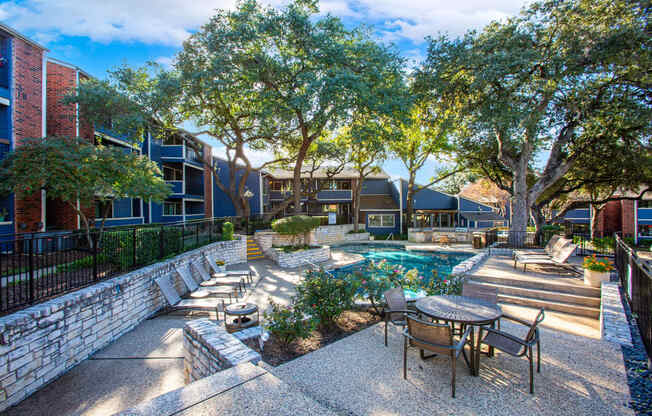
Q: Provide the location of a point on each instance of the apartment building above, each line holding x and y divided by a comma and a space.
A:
632, 218
22, 115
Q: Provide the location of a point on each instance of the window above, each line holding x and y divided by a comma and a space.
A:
280, 185
329, 208
172, 208
334, 185
172, 173
645, 203
102, 208
645, 230
172, 140
135, 208
381, 220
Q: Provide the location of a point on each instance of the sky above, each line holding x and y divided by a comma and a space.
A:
100, 35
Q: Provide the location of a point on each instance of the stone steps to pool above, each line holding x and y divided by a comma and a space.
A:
556, 297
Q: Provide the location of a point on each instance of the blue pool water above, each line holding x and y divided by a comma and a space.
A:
424, 261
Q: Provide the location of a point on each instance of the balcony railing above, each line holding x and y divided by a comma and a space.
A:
177, 186
335, 195
173, 151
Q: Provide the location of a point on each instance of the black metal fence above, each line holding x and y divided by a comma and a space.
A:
35, 267
586, 246
636, 280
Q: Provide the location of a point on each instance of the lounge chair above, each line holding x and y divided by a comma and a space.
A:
559, 259
217, 273
202, 292
548, 249
176, 303
512, 345
396, 309
207, 281
436, 338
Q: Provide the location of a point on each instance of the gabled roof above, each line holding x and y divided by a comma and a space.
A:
347, 173
19, 35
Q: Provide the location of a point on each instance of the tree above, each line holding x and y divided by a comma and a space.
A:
365, 143
485, 190
296, 225
547, 81
264, 78
79, 173
455, 183
425, 134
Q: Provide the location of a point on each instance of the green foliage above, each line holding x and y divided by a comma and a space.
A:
357, 231
290, 249
287, 323
295, 225
597, 264
227, 231
73, 170
324, 297
449, 286
376, 279
604, 244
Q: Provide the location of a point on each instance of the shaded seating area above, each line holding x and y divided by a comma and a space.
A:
195, 291
175, 303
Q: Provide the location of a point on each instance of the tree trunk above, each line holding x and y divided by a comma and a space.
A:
296, 181
539, 222
356, 204
520, 207
596, 210
409, 203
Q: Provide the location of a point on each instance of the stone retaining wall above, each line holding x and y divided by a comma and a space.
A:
325, 234
468, 264
209, 348
613, 321
301, 257
42, 342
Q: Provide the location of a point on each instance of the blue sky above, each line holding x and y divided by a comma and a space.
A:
100, 35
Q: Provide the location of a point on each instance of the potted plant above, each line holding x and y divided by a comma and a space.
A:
596, 270
3, 214
221, 266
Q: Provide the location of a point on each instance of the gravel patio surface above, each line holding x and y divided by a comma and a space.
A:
579, 376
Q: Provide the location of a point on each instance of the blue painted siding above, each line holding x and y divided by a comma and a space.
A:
177, 186
114, 222
430, 199
122, 208
376, 187
467, 205
222, 205
336, 196
578, 216
644, 215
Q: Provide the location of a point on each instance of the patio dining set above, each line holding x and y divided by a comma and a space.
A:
444, 325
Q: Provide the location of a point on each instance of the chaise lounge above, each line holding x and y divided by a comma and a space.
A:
175, 303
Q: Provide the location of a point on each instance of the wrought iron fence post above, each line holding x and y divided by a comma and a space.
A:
31, 270
95, 243
161, 238
133, 239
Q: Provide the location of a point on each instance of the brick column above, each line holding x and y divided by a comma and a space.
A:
628, 215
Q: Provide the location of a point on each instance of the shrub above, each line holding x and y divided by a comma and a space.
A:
360, 231
227, 231
604, 244
597, 265
287, 323
449, 286
324, 297
295, 225
375, 280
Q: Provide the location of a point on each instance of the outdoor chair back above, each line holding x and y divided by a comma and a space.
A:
563, 253
211, 262
396, 301
199, 268
437, 338
184, 272
169, 292
531, 335
552, 243
487, 293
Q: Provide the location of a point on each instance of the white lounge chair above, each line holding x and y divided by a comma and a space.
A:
217, 273
548, 249
560, 259
207, 281
176, 303
202, 292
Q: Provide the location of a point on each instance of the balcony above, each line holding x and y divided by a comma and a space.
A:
172, 152
282, 195
336, 195
177, 186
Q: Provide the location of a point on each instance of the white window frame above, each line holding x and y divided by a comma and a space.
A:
383, 218
172, 215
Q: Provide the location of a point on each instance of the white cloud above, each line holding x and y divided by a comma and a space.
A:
169, 22
165, 61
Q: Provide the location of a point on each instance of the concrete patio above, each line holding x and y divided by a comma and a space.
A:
355, 376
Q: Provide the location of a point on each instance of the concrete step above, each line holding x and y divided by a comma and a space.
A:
588, 311
255, 257
542, 294
552, 286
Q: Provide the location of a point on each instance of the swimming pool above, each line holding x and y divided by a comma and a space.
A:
424, 261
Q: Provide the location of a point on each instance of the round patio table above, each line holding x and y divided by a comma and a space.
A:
461, 309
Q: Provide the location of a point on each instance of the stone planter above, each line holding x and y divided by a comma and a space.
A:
357, 237
301, 257
595, 279
221, 269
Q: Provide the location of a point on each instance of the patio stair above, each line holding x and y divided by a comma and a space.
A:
571, 299
253, 250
